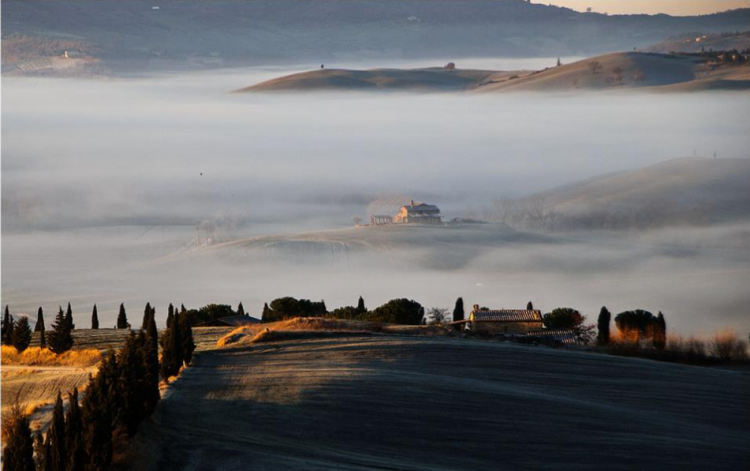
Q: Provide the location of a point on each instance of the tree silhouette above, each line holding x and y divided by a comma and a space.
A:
458, 310
69, 318
595, 67
74, 434
22, 334
660, 332
186, 338
361, 309
8, 323
241, 310
39, 326
18, 454
122, 318
529, 306
94, 318
602, 326
59, 452
60, 339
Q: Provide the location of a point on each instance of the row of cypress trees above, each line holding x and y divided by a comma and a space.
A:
123, 394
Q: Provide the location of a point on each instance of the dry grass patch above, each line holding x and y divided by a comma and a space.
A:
36, 356
293, 328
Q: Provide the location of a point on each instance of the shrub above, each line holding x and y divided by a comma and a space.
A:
398, 311
726, 345
563, 318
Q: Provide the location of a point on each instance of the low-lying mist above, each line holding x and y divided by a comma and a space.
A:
111, 191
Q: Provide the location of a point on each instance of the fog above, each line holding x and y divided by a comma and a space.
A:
112, 189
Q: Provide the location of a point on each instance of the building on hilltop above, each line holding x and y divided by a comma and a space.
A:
418, 213
505, 321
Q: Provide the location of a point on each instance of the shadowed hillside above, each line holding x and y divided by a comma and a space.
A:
357, 403
432, 79
617, 71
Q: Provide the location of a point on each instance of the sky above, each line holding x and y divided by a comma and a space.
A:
671, 7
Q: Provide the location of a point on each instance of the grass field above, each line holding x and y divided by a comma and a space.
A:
386, 402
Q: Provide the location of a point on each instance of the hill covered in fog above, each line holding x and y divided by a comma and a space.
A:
114, 36
616, 71
681, 191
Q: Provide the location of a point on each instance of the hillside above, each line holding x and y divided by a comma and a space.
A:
618, 71
688, 190
431, 79
118, 37
697, 42
380, 402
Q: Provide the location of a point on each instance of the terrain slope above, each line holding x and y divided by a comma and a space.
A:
430, 79
611, 72
410, 403
687, 190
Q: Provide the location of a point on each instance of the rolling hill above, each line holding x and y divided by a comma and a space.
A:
416, 403
138, 36
430, 79
680, 191
616, 71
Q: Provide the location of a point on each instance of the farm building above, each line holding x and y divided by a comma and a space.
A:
503, 321
418, 213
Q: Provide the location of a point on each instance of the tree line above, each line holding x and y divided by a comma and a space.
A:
124, 392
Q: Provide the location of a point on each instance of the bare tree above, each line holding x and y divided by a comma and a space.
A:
595, 67
438, 316
357, 220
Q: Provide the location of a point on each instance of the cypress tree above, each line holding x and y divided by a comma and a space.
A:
603, 336
58, 452
241, 310
74, 434
97, 418
529, 306
186, 338
361, 309
7, 335
167, 347
48, 452
122, 318
132, 384
39, 451
69, 318
151, 358
146, 316
94, 318
18, 454
267, 314
458, 310
22, 334
60, 339
660, 332
39, 326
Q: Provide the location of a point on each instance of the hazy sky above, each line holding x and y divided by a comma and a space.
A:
671, 7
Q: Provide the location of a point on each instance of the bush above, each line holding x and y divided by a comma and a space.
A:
288, 307
727, 346
563, 318
398, 311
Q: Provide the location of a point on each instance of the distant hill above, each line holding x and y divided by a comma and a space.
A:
617, 71
682, 191
663, 72
136, 36
431, 79
697, 42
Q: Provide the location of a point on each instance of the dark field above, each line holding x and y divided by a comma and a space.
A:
437, 404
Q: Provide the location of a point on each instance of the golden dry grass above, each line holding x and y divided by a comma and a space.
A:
722, 346
273, 330
35, 356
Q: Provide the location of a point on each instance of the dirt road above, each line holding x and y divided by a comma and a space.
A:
439, 404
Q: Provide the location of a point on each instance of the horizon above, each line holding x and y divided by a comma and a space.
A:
650, 7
